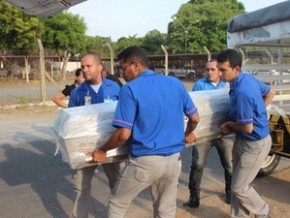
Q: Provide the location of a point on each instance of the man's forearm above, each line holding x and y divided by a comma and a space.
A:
246, 128
269, 97
118, 138
192, 124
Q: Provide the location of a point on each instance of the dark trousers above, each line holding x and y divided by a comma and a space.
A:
200, 152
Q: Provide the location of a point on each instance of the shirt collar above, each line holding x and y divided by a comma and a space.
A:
147, 73
236, 82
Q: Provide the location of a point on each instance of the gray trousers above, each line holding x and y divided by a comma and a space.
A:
248, 157
224, 147
158, 172
83, 180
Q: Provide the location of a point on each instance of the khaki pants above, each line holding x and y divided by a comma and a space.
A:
83, 180
158, 172
248, 157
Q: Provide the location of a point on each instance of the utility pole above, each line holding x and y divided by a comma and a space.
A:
185, 32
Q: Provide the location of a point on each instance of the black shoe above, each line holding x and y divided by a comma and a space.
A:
192, 202
267, 216
228, 197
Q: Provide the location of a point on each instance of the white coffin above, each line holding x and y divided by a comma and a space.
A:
80, 130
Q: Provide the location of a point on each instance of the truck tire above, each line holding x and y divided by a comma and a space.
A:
269, 165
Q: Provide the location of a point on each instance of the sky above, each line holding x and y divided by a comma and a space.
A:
116, 18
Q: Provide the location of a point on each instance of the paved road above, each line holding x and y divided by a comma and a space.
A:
10, 93
35, 183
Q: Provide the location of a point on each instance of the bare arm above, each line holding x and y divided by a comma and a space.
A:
269, 97
229, 126
119, 137
57, 99
191, 125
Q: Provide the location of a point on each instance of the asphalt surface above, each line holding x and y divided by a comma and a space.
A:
35, 183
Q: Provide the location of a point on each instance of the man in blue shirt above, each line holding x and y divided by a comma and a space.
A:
150, 114
249, 98
224, 145
96, 89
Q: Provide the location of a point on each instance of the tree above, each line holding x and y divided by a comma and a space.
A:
124, 42
153, 40
206, 23
97, 44
64, 32
18, 31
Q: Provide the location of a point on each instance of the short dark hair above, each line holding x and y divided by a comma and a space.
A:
78, 72
133, 53
232, 56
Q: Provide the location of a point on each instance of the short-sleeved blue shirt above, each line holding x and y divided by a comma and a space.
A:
205, 84
108, 89
153, 107
247, 105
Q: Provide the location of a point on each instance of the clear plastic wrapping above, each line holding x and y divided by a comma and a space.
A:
213, 111
80, 130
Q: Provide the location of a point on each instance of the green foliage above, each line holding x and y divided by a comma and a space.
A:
198, 23
22, 100
96, 44
18, 31
64, 32
124, 42
206, 23
153, 40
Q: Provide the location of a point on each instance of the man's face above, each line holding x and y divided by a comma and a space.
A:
229, 74
127, 70
91, 68
212, 72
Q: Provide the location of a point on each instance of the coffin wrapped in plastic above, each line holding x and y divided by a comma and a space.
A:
213, 106
81, 130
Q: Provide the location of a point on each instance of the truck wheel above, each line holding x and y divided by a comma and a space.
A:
269, 165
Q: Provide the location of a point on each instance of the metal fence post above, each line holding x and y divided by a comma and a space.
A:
42, 69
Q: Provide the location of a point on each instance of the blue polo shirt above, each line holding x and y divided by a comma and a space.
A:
247, 105
205, 84
107, 89
153, 106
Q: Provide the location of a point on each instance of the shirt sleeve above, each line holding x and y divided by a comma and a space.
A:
189, 108
244, 110
197, 87
126, 109
73, 99
264, 88
68, 89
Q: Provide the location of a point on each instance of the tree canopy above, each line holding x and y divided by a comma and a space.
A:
196, 24
205, 22
64, 32
18, 31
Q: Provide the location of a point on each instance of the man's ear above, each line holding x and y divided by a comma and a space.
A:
237, 69
100, 68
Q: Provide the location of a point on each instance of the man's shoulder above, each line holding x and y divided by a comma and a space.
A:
110, 85
201, 80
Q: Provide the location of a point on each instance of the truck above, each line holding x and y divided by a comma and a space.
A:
267, 31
